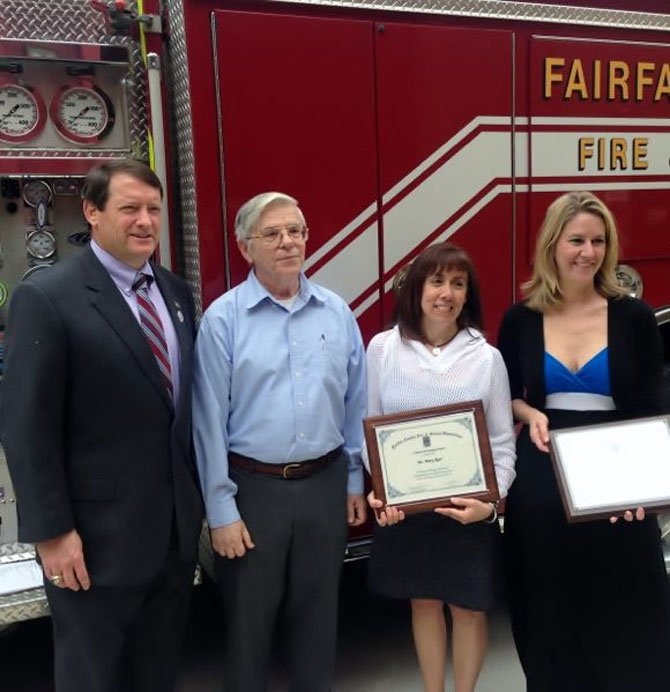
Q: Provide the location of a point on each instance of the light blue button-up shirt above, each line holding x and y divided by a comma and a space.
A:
275, 384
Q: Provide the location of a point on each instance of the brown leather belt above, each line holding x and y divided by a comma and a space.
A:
289, 472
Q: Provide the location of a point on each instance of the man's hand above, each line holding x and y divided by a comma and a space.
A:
232, 540
63, 557
356, 510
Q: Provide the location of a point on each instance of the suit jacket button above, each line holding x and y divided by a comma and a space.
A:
169, 476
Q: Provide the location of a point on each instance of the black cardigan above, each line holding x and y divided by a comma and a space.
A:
635, 355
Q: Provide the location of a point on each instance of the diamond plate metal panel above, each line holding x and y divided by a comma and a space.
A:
16, 551
67, 153
51, 21
24, 605
77, 21
181, 126
496, 9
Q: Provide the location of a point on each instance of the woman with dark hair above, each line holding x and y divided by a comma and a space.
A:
434, 356
589, 602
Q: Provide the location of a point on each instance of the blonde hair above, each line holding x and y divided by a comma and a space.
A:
543, 290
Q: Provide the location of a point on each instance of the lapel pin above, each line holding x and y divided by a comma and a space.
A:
180, 317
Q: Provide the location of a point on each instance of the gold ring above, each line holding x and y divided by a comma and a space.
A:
55, 579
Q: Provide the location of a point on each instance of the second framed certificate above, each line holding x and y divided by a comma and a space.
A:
603, 470
420, 459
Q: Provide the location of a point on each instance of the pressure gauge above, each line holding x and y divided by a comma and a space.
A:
41, 244
82, 112
629, 279
36, 191
35, 268
22, 112
4, 293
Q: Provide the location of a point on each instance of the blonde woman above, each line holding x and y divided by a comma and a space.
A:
589, 602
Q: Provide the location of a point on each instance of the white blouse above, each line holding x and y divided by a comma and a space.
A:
404, 375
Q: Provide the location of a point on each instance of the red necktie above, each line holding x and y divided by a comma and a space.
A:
153, 327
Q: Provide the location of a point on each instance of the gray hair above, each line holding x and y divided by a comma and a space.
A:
251, 211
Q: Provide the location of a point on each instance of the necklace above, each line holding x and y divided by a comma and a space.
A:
436, 349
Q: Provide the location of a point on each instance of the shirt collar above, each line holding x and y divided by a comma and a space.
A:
256, 292
122, 274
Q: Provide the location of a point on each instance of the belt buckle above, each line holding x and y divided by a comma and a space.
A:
287, 471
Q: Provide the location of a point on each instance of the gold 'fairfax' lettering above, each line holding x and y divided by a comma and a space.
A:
615, 80
596, 80
644, 78
550, 74
577, 81
663, 86
618, 77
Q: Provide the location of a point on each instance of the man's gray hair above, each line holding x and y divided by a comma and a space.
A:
250, 212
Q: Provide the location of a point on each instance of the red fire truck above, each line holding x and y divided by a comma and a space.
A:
395, 123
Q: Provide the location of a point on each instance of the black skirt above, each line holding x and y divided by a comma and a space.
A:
431, 556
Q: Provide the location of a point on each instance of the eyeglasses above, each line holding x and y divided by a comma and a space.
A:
273, 236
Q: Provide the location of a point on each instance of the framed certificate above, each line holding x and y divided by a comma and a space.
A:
603, 470
420, 459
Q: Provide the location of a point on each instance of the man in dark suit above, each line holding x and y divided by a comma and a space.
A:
95, 422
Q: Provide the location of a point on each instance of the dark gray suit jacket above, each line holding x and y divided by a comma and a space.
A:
92, 439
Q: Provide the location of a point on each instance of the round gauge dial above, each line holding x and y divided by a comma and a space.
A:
82, 112
4, 293
22, 112
35, 268
36, 191
629, 279
41, 244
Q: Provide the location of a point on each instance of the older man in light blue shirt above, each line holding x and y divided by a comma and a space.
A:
279, 396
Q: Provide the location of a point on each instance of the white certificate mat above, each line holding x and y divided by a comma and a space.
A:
603, 469
19, 576
435, 457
